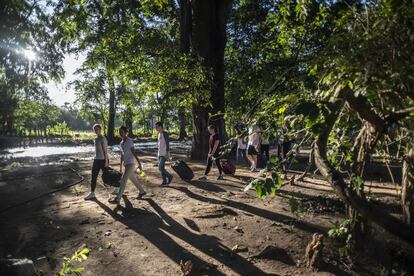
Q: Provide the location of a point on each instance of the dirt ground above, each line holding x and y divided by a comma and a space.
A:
216, 225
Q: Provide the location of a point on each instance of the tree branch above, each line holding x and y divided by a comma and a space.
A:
349, 196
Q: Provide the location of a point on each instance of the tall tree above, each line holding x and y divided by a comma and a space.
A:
204, 21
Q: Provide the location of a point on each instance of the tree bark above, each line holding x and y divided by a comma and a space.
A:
182, 122
208, 42
407, 194
129, 121
111, 118
199, 147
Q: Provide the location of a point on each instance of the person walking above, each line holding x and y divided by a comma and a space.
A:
264, 146
253, 146
242, 147
163, 153
129, 158
213, 152
100, 161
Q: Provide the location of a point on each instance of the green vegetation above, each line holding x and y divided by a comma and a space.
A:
336, 75
67, 265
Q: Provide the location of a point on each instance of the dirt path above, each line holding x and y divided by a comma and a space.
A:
197, 221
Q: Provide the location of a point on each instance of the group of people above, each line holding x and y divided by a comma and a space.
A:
251, 145
129, 161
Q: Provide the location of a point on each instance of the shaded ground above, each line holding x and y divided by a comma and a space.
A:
197, 221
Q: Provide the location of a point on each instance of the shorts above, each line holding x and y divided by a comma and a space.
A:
251, 150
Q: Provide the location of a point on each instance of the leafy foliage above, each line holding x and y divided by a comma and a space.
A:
67, 265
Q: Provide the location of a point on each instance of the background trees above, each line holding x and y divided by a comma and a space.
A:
337, 74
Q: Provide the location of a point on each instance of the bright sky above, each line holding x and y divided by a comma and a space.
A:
58, 92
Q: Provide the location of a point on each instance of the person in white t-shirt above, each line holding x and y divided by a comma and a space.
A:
163, 153
129, 158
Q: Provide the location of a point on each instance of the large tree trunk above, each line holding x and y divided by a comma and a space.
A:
111, 119
407, 194
182, 122
129, 121
208, 42
199, 148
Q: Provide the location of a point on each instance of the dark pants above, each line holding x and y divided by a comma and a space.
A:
210, 163
284, 148
163, 171
96, 167
264, 150
242, 153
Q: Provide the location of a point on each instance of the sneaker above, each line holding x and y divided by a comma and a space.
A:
220, 177
170, 179
115, 191
140, 195
91, 196
203, 178
163, 184
114, 201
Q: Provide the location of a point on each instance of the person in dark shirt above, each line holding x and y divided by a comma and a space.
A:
213, 151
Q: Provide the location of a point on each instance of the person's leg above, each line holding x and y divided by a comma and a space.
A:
134, 178
254, 162
128, 170
244, 152
95, 171
161, 167
218, 165
266, 152
209, 164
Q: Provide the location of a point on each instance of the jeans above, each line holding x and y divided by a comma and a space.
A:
96, 167
264, 150
161, 166
210, 163
242, 153
130, 174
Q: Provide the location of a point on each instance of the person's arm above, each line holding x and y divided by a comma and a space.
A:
167, 143
122, 160
105, 152
136, 157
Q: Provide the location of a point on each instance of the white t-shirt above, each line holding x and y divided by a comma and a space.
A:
254, 138
241, 144
126, 146
162, 145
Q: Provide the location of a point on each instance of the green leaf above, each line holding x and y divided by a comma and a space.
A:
307, 109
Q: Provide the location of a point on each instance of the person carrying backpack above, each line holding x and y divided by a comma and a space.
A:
163, 153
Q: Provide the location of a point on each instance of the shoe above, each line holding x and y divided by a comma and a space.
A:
140, 195
220, 177
164, 184
203, 178
115, 191
91, 196
170, 179
114, 201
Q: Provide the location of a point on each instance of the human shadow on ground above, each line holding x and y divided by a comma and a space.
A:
155, 226
254, 210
